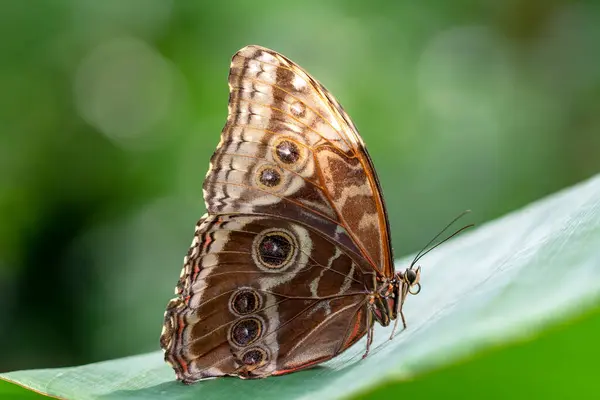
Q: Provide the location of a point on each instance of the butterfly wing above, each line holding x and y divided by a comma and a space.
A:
289, 149
279, 274
262, 296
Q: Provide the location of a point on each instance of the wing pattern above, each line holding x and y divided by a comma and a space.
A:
281, 270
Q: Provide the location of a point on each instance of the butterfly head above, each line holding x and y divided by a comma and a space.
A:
410, 279
403, 283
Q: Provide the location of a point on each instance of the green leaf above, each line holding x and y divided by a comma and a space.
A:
506, 281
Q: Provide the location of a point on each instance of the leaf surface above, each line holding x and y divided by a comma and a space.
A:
507, 280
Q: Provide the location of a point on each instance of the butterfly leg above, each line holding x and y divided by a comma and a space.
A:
396, 324
370, 331
394, 329
403, 320
400, 312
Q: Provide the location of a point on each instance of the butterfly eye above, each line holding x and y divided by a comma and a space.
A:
245, 331
411, 276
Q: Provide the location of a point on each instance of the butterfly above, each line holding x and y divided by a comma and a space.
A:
292, 264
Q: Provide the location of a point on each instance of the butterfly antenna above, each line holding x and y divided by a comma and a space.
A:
422, 252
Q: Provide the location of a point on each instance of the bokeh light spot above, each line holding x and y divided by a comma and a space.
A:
124, 88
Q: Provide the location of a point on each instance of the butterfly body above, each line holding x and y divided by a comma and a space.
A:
292, 264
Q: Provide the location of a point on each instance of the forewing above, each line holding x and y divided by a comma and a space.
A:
289, 149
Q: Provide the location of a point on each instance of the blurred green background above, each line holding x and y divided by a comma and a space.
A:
110, 110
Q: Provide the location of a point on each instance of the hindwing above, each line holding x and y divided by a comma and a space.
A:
263, 296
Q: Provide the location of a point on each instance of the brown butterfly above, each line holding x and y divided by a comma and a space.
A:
293, 263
